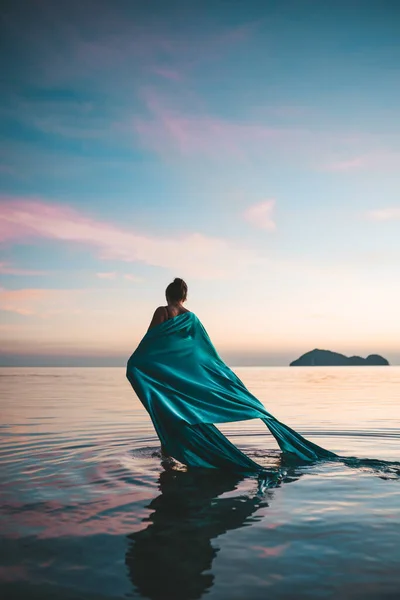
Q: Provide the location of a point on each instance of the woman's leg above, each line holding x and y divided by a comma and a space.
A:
164, 453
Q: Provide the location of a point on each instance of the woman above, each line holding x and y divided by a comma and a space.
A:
186, 388
176, 294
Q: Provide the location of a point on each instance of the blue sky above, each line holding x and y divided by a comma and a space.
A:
252, 148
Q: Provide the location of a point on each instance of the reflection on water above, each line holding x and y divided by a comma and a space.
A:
190, 512
86, 513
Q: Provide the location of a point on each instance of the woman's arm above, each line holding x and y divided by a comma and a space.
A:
158, 317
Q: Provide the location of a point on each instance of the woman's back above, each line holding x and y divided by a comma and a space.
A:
173, 310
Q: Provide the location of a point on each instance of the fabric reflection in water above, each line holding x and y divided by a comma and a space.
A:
172, 557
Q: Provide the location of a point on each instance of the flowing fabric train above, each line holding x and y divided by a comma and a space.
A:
186, 388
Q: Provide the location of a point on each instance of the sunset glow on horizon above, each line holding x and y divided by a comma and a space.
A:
252, 150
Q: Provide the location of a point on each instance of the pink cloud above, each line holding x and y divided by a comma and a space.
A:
112, 275
172, 131
379, 160
41, 302
133, 278
107, 59
168, 130
200, 255
23, 302
347, 165
175, 132
384, 214
260, 214
143, 46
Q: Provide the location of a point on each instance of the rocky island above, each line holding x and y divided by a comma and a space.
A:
326, 358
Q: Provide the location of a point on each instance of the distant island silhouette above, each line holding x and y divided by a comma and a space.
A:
326, 358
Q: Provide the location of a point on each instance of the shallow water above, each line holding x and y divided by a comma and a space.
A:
88, 511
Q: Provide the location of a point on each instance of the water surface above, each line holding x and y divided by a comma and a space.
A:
89, 511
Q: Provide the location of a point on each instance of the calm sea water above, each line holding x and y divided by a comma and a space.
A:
88, 511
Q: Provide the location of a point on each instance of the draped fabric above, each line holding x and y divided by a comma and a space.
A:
186, 388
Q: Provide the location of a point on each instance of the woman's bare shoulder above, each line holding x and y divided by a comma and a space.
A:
159, 316
160, 309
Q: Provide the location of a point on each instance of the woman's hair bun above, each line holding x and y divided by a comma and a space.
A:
177, 290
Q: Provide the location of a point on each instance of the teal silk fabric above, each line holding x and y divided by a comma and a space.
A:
187, 388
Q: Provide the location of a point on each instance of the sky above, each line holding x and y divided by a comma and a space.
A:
251, 148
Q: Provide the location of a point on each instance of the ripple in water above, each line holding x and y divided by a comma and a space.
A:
90, 510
